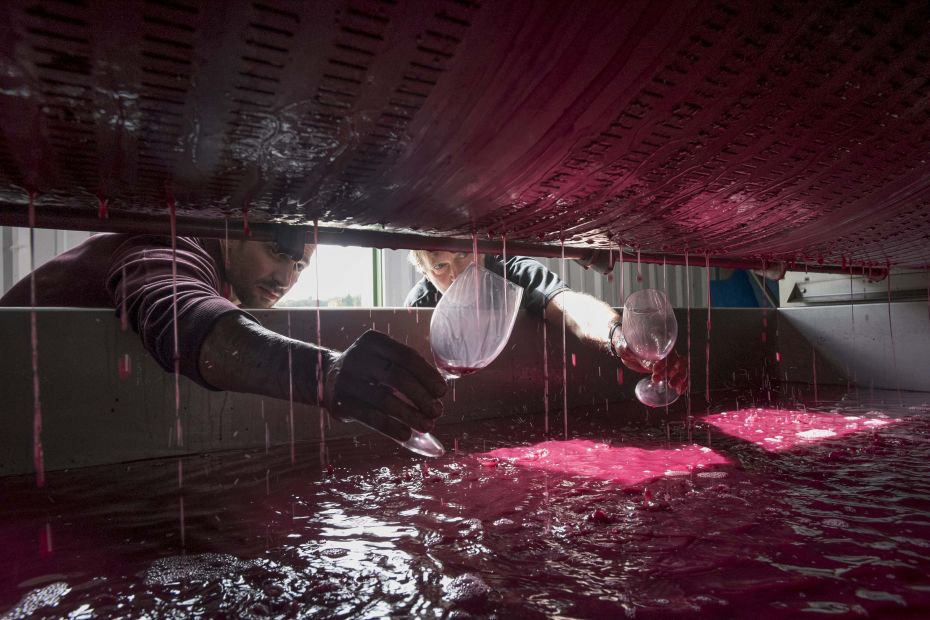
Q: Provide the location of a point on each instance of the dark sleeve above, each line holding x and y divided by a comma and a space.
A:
141, 275
422, 295
539, 284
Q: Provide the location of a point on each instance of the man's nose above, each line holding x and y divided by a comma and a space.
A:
285, 274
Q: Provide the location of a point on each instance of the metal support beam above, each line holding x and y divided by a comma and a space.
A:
118, 221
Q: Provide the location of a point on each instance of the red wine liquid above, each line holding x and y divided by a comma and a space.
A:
457, 371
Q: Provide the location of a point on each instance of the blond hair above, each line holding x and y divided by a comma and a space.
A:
416, 258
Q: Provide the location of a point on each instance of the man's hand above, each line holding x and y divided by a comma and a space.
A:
601, 261
673, 369
385, 385
629, 358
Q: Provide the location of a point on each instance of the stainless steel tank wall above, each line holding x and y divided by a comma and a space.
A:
92, 416
876, 345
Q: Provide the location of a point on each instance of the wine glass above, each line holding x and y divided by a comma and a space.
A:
473, 321
650, 329
423, 443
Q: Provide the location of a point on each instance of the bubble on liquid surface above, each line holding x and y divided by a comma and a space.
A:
203, 567
46, 596
468, 591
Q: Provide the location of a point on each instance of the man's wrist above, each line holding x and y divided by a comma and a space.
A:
615, 340
617, 347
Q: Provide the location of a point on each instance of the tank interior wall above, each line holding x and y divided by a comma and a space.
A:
92, 416
878, 345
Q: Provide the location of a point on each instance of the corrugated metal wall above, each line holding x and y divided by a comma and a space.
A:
673, 279
399, 277
14, 250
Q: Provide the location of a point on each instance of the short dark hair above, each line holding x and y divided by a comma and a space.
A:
290, 240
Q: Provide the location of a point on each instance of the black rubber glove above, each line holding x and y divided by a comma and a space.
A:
385, 385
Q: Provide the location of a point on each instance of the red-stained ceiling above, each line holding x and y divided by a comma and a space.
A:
797, 131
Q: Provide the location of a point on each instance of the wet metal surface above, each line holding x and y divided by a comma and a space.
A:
787, 131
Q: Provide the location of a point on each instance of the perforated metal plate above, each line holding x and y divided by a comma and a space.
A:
756, 130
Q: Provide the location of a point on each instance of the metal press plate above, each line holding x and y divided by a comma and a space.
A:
795, 131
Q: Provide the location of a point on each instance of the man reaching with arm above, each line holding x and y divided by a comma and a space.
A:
223, 347
591, 320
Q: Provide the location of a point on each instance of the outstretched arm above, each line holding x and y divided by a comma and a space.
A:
240, 355
377, 381
588, 318
592, 322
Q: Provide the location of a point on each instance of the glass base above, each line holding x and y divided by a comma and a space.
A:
423, 443
655, 394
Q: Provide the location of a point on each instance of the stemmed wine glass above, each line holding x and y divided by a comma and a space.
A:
650, 329
473, 321
470, 327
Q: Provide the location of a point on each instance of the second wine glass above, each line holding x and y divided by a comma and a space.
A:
650, 330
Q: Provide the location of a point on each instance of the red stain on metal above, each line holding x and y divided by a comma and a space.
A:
38, 451
46, 545
124, 366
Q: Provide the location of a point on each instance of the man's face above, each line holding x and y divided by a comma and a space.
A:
442, 268
260, 274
